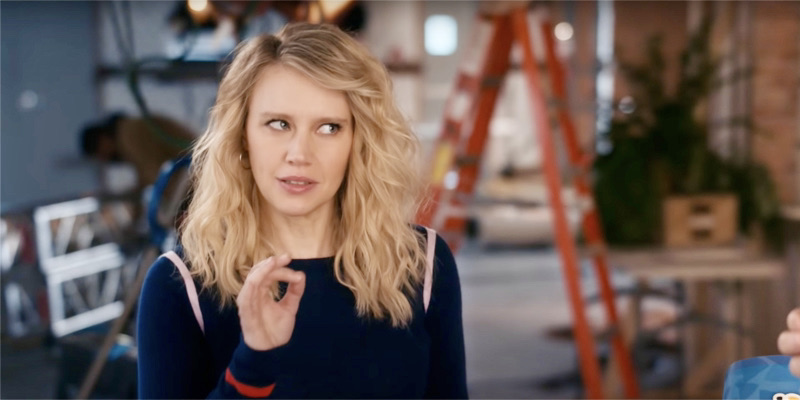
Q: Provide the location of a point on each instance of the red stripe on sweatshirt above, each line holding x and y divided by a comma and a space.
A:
247, 390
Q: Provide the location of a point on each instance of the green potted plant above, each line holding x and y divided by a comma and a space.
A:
659, 151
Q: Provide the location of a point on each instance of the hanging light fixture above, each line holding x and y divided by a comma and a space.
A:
200, 10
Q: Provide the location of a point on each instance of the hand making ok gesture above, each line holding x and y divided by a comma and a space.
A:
267, 323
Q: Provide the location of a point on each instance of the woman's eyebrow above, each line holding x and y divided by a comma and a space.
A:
278, 115
335, 120
269, 114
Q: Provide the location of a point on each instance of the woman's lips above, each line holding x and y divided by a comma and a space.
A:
297, 184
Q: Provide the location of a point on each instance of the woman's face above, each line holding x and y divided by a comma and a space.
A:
299, 137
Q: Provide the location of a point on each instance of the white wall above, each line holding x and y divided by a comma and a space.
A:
47, 52
395, 27
393, 33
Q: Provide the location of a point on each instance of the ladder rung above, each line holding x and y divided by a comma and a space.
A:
452, 128
579, 169
463, 161
492, 82
467, 82
575, 171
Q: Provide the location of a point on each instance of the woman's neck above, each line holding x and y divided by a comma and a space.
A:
303, 237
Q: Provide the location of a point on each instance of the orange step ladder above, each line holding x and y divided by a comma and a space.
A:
457, 158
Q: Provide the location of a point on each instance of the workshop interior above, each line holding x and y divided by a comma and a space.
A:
619, 181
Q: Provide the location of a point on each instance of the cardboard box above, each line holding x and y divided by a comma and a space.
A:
702, 220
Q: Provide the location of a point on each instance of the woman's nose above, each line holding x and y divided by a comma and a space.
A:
299, 149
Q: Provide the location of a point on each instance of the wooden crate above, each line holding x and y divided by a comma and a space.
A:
701, 220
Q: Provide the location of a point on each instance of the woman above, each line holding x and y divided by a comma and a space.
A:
299, 241
789, 341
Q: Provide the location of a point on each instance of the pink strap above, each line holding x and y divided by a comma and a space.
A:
191, 291
428, 284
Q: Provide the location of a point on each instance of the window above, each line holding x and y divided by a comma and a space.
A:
441, 35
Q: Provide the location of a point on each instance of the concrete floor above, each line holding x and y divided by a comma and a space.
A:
510, 297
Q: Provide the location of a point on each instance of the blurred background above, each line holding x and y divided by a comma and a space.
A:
687, 112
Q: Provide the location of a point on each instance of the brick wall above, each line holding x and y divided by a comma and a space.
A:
776, 49
636, 21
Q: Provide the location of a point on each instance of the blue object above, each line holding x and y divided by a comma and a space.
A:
159, 233
766, 377
118, 351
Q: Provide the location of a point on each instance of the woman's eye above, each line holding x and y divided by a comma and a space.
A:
278, 124
329, 129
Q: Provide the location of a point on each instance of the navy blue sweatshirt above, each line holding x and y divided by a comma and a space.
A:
332, 353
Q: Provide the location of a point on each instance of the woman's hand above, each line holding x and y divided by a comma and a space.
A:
266, 323
789, 341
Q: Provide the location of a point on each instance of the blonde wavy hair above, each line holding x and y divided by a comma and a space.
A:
379, 255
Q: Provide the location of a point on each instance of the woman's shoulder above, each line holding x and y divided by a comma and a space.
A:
164, 277
443, 256
442, 248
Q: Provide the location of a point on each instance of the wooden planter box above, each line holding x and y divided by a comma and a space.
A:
700, 220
